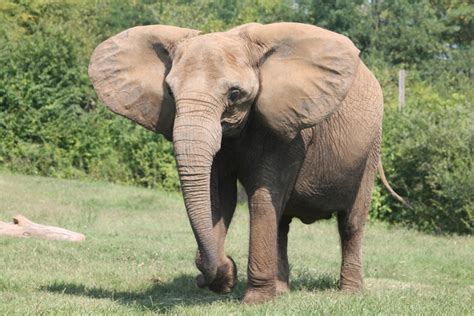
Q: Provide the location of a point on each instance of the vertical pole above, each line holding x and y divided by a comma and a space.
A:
401, 89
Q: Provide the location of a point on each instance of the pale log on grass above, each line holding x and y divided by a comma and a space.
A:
23, 227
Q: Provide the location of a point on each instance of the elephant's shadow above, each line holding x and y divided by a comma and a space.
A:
162, 297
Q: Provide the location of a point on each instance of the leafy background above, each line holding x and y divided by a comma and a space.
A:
51, 122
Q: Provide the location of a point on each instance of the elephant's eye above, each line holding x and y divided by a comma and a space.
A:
234, 95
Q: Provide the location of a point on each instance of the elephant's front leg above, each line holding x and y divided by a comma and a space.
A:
224, 199
263, 259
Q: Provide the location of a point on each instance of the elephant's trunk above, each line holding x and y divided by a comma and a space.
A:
197, 137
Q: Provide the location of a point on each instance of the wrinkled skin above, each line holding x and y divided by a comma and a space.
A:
231, 103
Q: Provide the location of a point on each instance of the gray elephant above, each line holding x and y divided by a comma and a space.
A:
287, 109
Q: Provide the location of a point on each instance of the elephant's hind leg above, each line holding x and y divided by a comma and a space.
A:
351, 229
283, 273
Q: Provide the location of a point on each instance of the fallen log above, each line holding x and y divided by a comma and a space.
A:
23, 227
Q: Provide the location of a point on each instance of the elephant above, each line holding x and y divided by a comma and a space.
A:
287, 109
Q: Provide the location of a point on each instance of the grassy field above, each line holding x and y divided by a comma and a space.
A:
139, 258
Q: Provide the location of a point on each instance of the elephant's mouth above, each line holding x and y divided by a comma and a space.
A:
233, 124
230, 130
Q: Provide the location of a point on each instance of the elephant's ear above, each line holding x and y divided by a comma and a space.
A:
128, 72
305, 73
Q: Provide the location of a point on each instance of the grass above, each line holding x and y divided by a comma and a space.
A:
138, 258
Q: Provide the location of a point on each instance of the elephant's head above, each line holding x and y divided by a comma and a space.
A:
195, 88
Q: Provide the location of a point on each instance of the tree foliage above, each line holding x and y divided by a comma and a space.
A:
51, 124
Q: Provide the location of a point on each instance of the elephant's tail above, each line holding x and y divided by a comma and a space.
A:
389, 188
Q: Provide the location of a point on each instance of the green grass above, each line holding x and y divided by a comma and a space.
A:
138, 258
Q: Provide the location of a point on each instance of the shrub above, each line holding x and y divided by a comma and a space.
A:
49, 122
427, 154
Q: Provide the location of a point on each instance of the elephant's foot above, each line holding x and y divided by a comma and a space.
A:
226, 278
351, 278
282, 287
351, 285
350, 288
256, 296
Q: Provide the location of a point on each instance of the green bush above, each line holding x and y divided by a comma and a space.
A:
427, 154
49, 122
